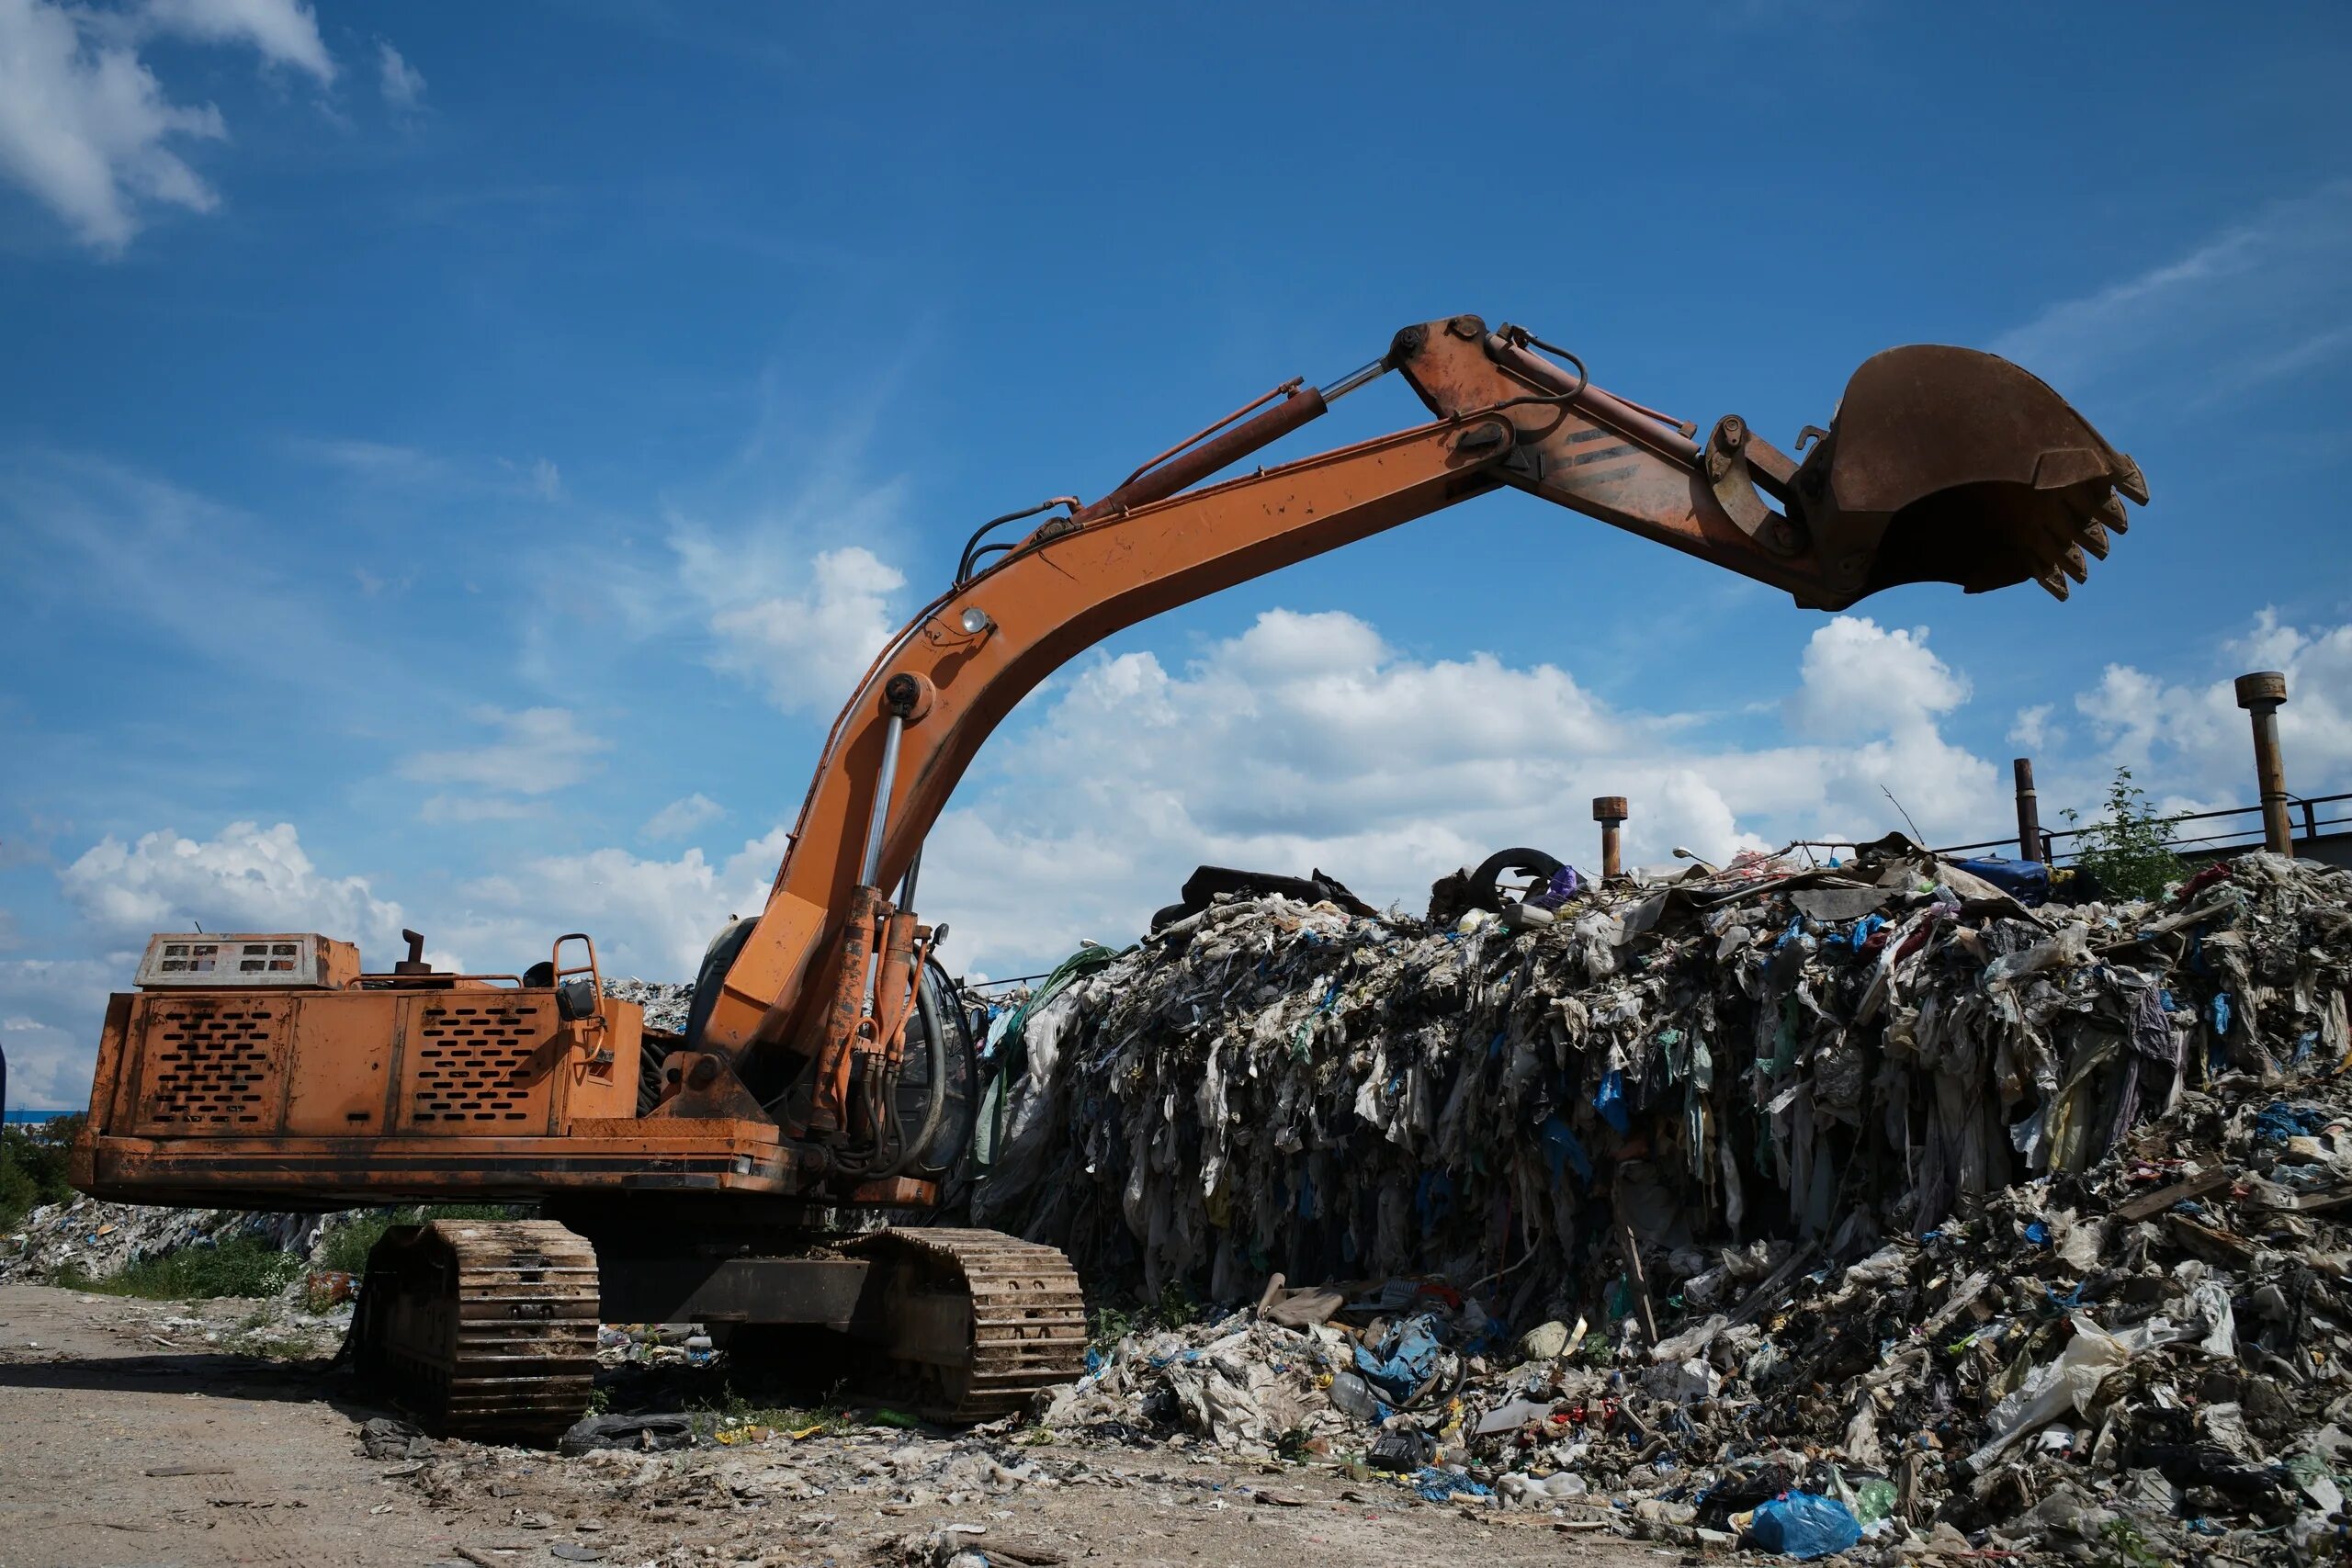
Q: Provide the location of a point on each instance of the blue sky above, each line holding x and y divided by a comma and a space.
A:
454, 459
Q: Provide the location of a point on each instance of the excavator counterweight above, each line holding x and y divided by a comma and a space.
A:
826, 1063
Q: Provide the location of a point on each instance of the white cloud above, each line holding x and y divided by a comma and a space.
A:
402, 83
2254, 303
446, 808
1307, 741
1860, 678
681, 818
547, 480
2033, 726
374, 459
539, 750
803, 643
56, 1008
285, 31
246, 878
648, 917
2189, 742
86, 127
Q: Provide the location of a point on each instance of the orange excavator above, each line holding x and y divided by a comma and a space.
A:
717, 1176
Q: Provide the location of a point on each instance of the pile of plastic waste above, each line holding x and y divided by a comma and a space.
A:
665, 1004
1797, 1201
86, 1236
2150, 1354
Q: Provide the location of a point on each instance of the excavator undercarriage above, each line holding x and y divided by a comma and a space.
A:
826, 1069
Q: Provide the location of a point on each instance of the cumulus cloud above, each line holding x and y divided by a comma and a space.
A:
2189, 739
681, 818
246, 877
649, 916
89, 131
1860, 678
1307, 740
802, 644
538, 751
402, 83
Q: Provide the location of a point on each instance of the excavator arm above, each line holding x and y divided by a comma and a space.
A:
1942, 464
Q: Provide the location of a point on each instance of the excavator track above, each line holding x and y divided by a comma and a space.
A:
980, 1321
481, 1329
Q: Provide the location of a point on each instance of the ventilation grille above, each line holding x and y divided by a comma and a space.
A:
213, 1067
472, 1065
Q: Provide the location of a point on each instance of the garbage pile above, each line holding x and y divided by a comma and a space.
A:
2148, 1353
1777, 1198
1826, 1056
86, 1236
665, 1005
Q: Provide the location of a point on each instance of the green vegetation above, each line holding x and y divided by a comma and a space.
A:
32, 1166
2127, 1546
1107, 1325
2129, 851
241, 1266
347, 1244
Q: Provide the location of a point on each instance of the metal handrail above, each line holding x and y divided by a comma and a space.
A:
2312, 824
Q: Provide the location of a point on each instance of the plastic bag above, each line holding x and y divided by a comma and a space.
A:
2071, 1382
1804, 1525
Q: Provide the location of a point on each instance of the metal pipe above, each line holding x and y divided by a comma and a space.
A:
906, 888
895, 726
2028, 812
1606, 407
2260, 693
1360, 376
1608, 810
1199, 462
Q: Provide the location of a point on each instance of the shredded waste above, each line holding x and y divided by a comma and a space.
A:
1825, 1204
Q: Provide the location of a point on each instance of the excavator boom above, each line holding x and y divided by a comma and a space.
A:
1941, 464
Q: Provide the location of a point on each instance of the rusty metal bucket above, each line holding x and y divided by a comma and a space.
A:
1945, 465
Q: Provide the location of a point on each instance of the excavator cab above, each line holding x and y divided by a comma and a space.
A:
1946, 464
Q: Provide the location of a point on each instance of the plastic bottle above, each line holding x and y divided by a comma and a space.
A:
1354, 1395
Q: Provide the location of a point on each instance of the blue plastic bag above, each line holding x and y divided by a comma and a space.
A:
1804, 1525
1610, 1100
1406, 1358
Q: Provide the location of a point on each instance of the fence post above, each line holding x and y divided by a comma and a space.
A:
2260, 693
2029, 813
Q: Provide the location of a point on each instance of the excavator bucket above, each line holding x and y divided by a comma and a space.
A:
1945, 465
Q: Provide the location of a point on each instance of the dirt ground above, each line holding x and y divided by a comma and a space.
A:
127, 1440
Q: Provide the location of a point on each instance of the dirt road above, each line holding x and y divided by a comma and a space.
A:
127, 1440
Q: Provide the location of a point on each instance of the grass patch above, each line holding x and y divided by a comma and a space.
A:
348, 1246
242, 1265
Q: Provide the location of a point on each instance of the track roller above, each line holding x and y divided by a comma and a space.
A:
978, 1321
481, 1329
